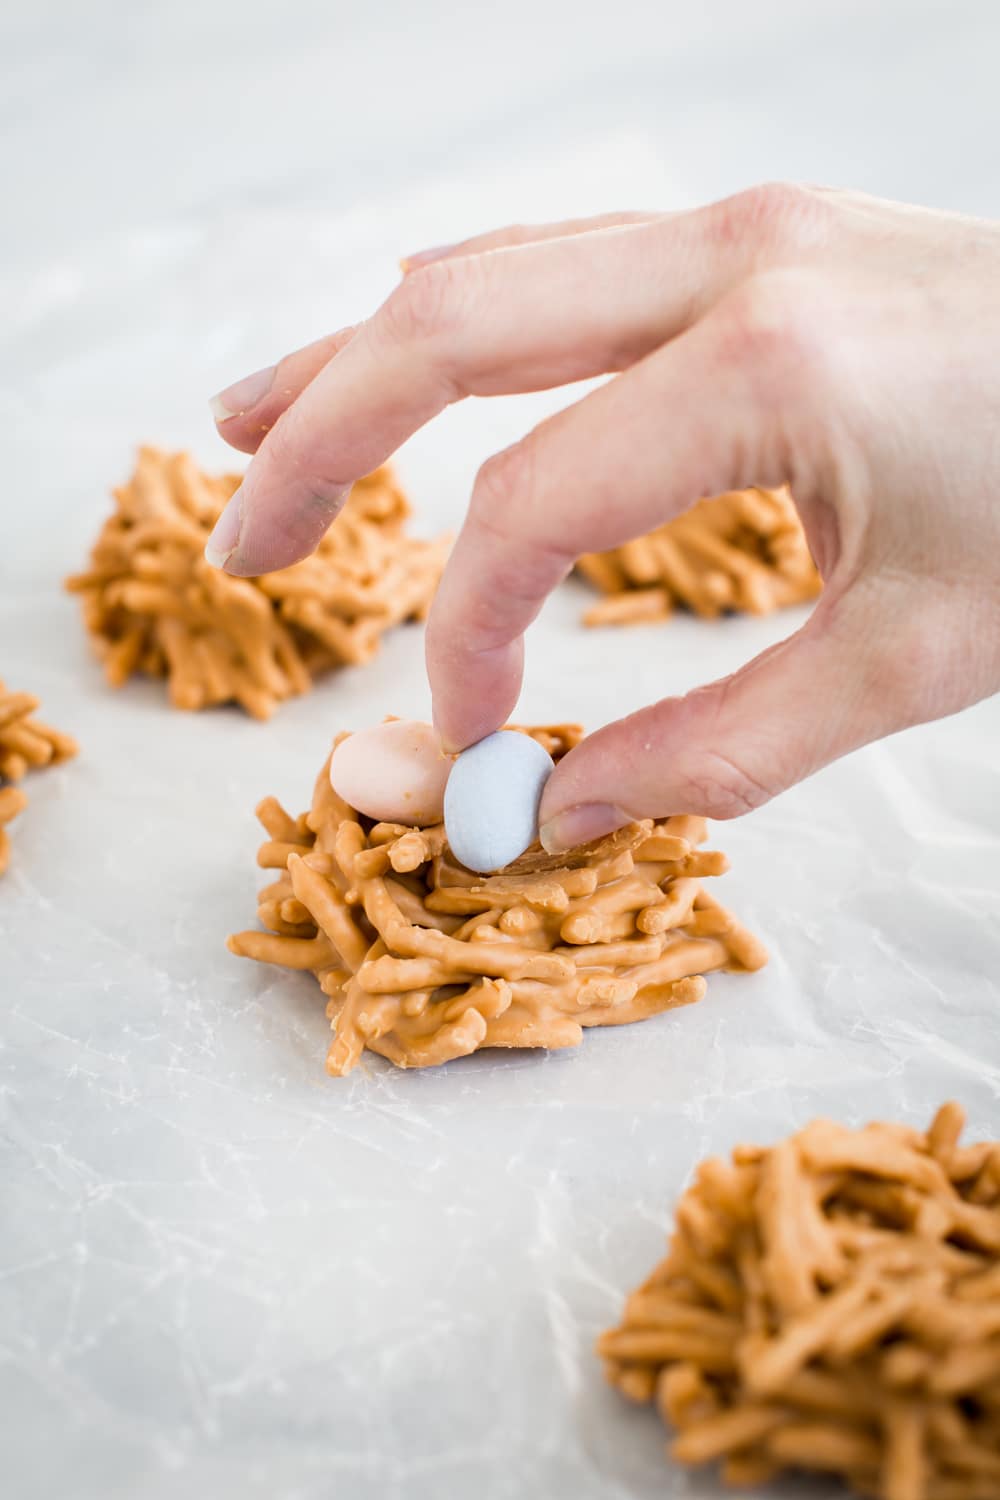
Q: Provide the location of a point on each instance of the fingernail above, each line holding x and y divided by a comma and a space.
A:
424, 257
238, 398
226, 535
578, 825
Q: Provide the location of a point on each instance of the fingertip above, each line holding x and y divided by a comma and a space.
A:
263, 551
473, 695
243, 439
225, 537
420, 258
220, 411
216, 557
460, 725
452, 742
581, 825
244, 413
242, 430
272, 522
237, 399
586, 795
719, 752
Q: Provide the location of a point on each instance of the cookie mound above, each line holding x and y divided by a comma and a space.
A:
25, 745
154, 605
424, 961
831, 1303
742, 551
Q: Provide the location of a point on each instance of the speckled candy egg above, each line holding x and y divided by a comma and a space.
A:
393, 772
491, 800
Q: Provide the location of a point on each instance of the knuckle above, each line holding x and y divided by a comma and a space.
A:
430, 301
525, 561
773, 215
776, 203
778, 323
717, 786
518, 234
504, 488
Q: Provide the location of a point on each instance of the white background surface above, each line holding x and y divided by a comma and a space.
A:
221, 1273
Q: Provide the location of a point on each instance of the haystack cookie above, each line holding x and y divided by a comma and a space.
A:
423, 960
25, 745
154, 605
743, 551
831, 1303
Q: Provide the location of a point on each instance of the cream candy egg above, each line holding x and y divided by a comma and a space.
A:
491, 800
394, 772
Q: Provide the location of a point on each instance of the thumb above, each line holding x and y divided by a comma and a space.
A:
731, 746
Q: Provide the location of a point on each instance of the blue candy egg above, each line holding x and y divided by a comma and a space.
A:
491, 800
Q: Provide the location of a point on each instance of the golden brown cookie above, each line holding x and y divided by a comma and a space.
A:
424, 961
25, 744
154, 605
742, 551
831, 1303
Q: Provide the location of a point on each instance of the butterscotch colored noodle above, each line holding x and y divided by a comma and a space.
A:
831, 1303
25, 745
423, 961
154, 605
745, 551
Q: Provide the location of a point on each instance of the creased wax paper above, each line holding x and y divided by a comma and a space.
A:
222, 1273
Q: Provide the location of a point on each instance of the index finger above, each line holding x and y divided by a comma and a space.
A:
525, 318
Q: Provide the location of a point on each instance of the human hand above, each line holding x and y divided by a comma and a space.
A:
840, 344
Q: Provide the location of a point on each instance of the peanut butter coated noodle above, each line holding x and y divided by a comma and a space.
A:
745, 550
424, 961
831, 1303
154, 605
25, 745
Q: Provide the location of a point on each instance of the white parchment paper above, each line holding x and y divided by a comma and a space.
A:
222, 1273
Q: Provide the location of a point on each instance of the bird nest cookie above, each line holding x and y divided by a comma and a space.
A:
25, 744
424, 961
154, 605
831, 1303
743, 551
